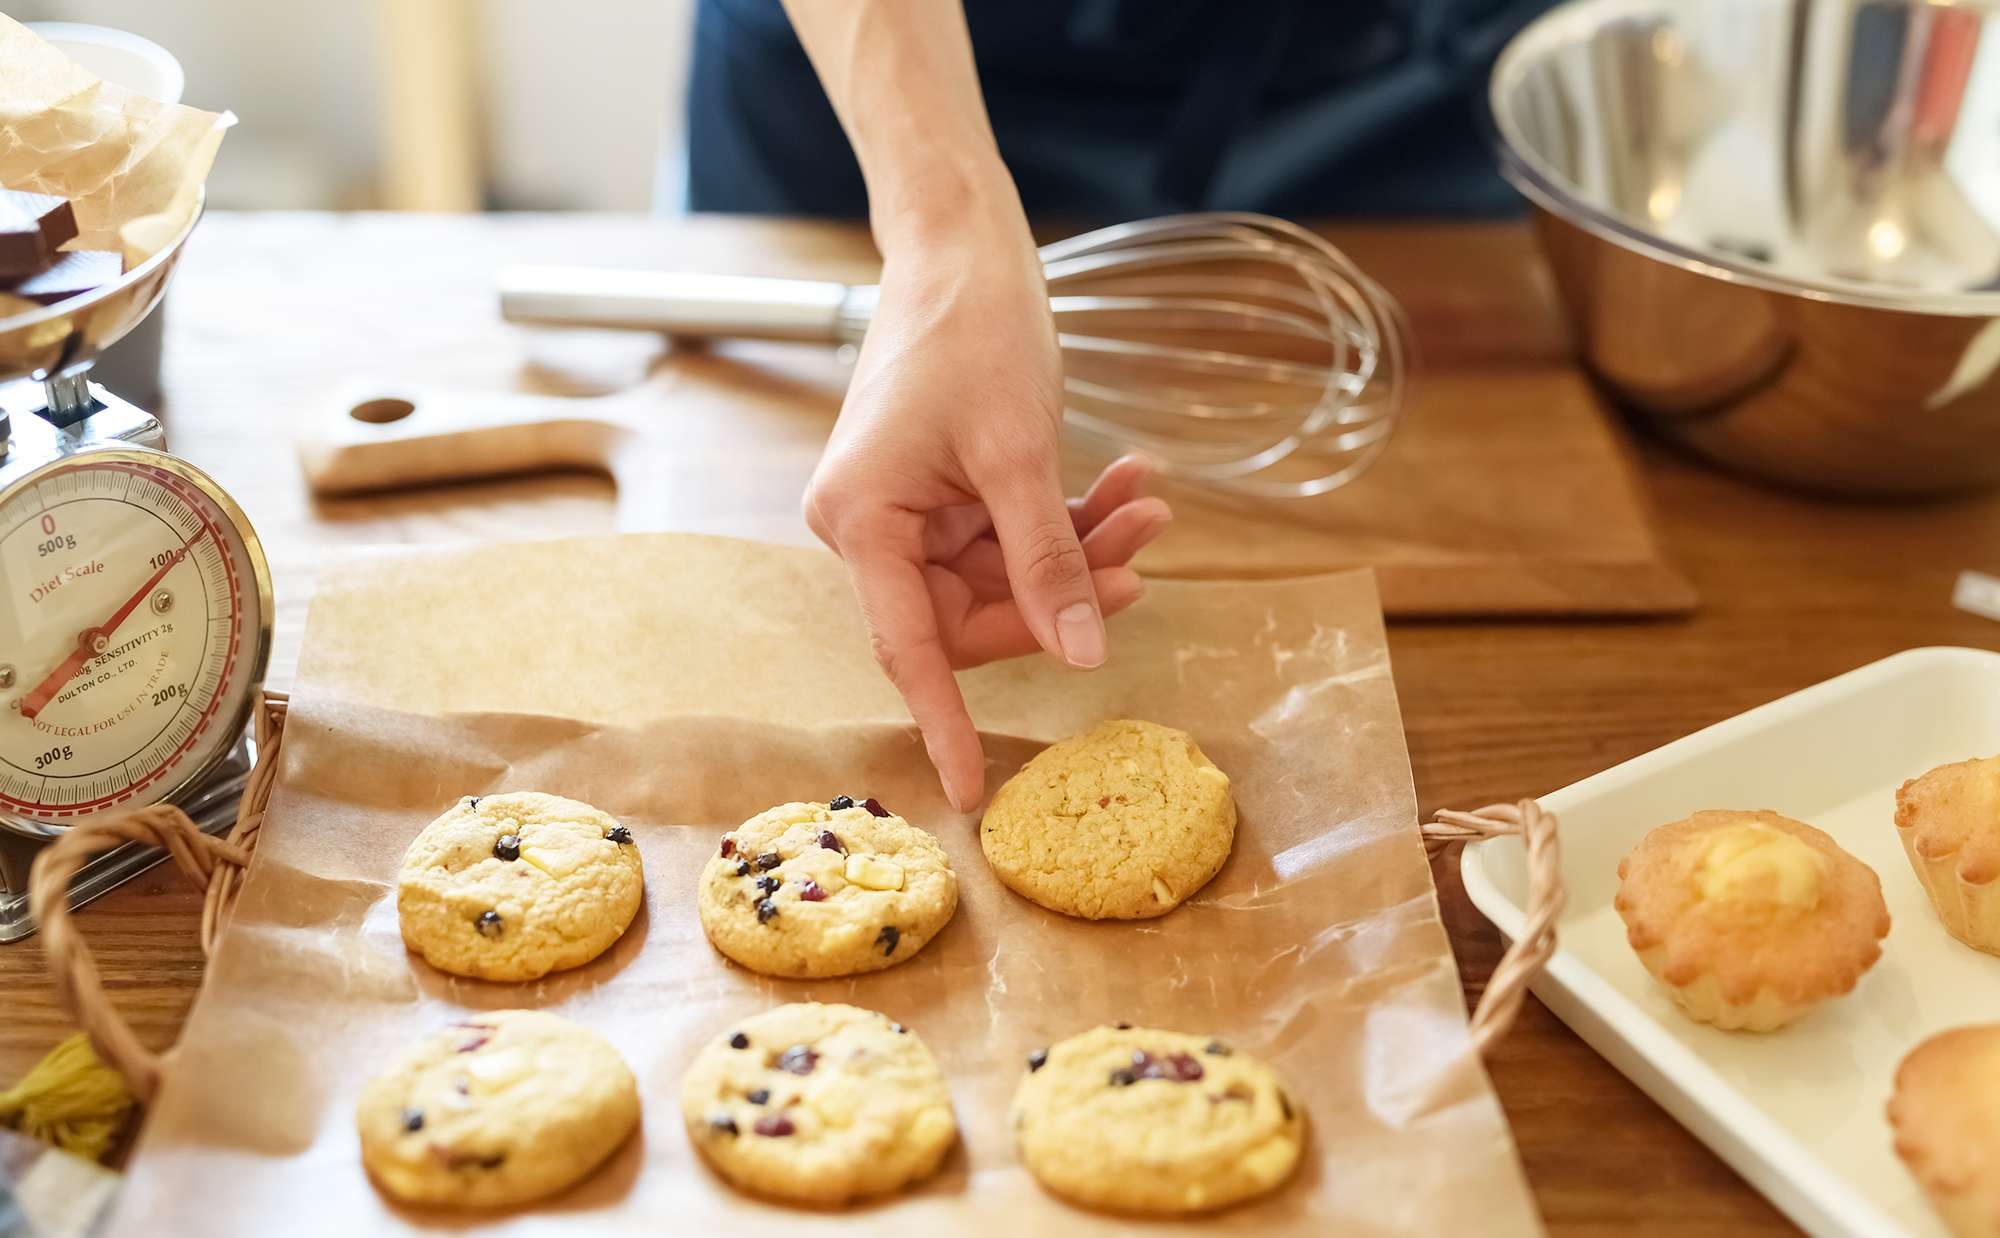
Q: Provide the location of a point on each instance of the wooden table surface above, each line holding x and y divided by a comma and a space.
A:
1794, 590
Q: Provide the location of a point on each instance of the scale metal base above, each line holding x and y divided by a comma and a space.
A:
213, 809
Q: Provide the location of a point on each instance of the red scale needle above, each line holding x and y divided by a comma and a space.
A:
33, 703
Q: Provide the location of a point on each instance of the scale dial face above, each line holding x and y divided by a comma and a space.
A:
134, 631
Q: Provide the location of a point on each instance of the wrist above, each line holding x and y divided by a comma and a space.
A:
947, 201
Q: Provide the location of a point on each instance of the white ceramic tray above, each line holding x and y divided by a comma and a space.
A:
1798, 1112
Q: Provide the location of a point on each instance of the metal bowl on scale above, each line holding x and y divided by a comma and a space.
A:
1775, 225
68, 335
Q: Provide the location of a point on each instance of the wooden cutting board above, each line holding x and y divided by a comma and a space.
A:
1506, 492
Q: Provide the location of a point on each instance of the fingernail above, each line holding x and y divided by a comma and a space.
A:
1080, 632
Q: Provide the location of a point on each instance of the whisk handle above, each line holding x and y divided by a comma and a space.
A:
738, 306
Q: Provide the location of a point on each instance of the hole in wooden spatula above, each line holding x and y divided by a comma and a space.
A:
381, 412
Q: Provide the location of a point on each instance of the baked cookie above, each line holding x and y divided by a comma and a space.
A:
1945, 1112
1148, 1121
1121, 822
517, 885
502, 1108
818, 1104
1949, 821
805, 890
1749, 918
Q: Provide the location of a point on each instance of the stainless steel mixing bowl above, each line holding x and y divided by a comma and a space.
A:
1776, 225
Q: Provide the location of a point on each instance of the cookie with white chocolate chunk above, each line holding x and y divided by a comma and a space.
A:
503, 1108
516, 885
812, 890
1122, 822
818, 1104
1142, 1120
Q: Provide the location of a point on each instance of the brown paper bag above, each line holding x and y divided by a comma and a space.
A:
684, 683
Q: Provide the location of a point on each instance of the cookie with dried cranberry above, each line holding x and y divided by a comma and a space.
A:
818, 1104
1122, 822
1141, 1120
516, 885
835, 889
503, 1108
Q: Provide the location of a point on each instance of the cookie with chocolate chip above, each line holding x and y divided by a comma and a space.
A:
812, 890
1142, 1120
516, 885
1122, 822
818, 1104
501, 1108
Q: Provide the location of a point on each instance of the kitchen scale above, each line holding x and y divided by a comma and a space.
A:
135, 603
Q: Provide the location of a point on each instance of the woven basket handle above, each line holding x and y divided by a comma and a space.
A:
211, 862
1525, 958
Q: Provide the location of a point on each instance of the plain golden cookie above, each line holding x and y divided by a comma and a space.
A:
1949, 821
1140, 1120
516, 885
502, 1108
1945, 1111
807, 890
1122, 822
818, 1104
1749, 918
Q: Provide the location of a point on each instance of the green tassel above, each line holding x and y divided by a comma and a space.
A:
70, 1099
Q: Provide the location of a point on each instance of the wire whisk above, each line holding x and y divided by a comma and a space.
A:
1241, 352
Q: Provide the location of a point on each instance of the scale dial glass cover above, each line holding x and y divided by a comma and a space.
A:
134, 631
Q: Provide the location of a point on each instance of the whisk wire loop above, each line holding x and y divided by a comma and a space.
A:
1239, 351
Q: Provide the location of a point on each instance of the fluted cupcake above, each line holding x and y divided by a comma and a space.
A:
1945, 1112
1949, 821
1750, 919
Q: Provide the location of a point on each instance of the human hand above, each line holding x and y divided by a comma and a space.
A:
940, 491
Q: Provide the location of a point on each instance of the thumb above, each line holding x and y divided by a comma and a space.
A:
1046, 567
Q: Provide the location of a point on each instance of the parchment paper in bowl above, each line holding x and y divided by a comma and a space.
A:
684, 683
131, 166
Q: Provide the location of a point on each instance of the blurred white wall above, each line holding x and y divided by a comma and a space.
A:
578, 100
582, 99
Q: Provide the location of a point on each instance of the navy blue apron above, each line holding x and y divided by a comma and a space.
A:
1115, 109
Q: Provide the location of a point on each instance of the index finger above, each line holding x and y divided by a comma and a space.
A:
902, 624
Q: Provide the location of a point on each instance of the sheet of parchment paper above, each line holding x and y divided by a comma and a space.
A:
684, 683
132, 167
